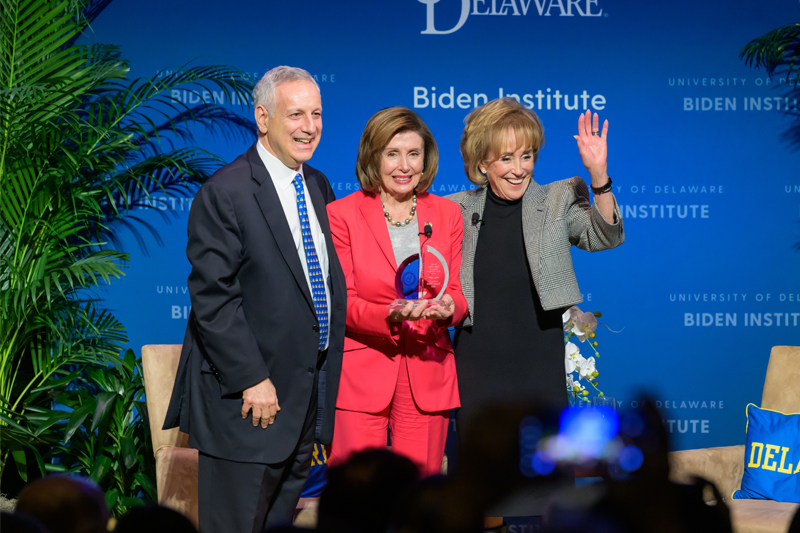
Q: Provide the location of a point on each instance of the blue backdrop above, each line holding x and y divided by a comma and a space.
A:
707, 280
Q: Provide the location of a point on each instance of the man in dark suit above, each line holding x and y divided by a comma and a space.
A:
259, 371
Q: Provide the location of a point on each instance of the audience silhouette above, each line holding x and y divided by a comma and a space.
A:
377, 491
362, 493
154, 519
65, 505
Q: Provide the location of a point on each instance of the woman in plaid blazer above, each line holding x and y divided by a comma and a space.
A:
516, 265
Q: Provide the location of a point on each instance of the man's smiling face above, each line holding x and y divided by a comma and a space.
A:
294, 129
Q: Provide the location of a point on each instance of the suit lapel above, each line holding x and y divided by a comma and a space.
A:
320, 208
272, 209
473, 202
533, 214
372, 212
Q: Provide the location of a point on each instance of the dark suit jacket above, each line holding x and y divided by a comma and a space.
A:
253, 317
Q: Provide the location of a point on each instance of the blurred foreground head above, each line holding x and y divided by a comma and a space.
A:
65, 505
154, 519
19, 523
641, 499
489, 465
362, 493
438, 505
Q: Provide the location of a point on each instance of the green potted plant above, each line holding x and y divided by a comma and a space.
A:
80, 144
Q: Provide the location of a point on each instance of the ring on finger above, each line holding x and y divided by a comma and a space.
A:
595, 132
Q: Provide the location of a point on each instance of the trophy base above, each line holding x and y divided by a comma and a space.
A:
399, 304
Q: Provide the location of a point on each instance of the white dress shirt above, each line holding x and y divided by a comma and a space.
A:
282, 176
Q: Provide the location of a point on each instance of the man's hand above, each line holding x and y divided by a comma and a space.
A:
263, 401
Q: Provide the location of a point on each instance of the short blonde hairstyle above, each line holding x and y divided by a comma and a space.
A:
485, 130
380, 129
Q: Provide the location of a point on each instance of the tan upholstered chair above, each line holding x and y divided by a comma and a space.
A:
176, 462
724, 466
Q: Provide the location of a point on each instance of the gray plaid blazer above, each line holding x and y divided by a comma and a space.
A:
554, 218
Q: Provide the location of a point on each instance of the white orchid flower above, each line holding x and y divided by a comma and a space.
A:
573, 386
569, 317
572, 357
586, 368
583, 325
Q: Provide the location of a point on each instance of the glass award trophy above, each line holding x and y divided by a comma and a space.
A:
421, 278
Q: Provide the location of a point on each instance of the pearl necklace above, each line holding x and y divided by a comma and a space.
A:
406, 221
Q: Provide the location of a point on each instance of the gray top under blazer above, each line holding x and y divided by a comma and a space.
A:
555, 217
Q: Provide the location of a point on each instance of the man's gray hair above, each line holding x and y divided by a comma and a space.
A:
264, 91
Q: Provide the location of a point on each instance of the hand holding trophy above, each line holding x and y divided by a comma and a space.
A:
420, 282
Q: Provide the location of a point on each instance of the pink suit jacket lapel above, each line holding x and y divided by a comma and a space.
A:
372, 211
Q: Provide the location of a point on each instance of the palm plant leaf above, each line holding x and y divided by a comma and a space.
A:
80, 146
778, 48
776, 51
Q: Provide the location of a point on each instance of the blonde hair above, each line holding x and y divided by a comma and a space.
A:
379, 130
486, 129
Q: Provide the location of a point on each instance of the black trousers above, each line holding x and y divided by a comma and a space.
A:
251, 497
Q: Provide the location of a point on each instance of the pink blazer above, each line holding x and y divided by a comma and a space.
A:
373, 345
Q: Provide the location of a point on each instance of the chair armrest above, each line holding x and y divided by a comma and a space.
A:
176, 473
160, 365
722, 466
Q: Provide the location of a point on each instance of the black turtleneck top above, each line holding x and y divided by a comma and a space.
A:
515, 349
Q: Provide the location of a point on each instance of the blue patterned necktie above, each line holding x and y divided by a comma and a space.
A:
314, 270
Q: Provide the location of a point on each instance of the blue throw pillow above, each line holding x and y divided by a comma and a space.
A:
771, 456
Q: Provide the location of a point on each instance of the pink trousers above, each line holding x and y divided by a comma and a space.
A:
416, 434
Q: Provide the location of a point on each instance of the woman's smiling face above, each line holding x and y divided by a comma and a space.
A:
402, 162
510, 172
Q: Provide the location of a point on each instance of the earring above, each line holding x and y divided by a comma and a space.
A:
483, 172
